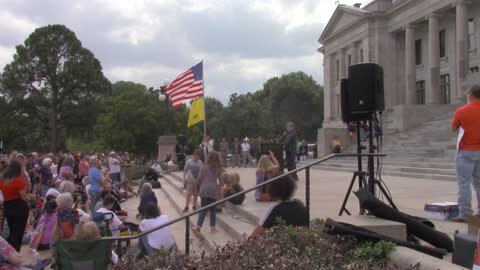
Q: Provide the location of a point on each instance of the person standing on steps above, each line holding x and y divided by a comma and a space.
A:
468, 155
209, 182
190, 176
236, 151
246, 156
290, 147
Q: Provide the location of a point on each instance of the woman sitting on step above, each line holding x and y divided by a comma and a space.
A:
267, 168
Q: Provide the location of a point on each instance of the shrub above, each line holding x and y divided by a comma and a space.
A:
281, 248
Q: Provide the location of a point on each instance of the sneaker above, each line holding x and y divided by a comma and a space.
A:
185, 210
194, 208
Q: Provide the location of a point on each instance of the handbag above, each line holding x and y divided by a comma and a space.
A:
36, 236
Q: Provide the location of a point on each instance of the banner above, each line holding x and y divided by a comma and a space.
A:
196, 112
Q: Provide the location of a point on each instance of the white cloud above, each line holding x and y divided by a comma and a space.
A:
148, 41
6, 54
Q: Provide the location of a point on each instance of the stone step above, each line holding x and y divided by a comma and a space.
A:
396, 173
178, 229
386, 162
394, 159
231, 226
176, 203
422, 170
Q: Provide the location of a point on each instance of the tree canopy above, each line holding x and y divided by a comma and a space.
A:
292, 97
54, 96
54, 80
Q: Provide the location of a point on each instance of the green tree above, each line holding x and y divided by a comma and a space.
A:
126, 86
298, 98
132, 121
56, 82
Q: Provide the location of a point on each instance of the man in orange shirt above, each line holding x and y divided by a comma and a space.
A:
468, 156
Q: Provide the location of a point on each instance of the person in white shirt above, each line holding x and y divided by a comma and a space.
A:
159, 239
246, 157
54, 190
157, 167
115, 225
114, 167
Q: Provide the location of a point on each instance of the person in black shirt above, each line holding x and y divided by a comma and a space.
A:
292, 211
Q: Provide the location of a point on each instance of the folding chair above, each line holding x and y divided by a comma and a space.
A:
82, 254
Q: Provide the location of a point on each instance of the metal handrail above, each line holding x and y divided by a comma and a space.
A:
186, 216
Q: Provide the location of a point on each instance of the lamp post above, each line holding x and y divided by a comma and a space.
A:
163, 97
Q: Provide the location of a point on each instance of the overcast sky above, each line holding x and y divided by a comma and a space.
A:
242, 42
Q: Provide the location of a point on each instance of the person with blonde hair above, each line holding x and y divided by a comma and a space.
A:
89, 231
209, 182
234, 187
267, 168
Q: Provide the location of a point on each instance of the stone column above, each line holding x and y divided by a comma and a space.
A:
461, 50
410, 65
342, 69
329, 86
355, 53
433, 95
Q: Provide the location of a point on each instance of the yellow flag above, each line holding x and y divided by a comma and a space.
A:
196, 112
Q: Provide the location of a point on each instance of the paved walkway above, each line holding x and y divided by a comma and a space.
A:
328, 190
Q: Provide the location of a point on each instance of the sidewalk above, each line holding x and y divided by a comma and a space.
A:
328, 190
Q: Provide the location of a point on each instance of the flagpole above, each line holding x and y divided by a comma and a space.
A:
204, 103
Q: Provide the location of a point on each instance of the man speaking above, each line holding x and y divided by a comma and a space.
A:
290, 147
468, 155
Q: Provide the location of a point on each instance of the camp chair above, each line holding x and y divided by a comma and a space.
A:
82, 254
102, 220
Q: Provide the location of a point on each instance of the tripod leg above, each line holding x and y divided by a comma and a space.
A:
345, 200
389, 199
362, 183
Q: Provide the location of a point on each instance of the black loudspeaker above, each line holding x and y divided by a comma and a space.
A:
347, 115
365, 88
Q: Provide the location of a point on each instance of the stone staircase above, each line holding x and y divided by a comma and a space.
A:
232, 223
425, 152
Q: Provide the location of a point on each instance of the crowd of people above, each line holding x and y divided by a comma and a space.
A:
47, 198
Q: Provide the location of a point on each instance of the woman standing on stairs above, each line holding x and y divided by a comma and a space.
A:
209, 183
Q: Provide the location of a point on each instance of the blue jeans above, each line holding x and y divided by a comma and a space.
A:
116, 177
468, 172
94, 198
213, 212
290, 157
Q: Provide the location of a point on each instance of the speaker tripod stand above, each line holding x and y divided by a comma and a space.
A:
365, 179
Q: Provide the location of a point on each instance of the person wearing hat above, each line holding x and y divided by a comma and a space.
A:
246, 156
114, 167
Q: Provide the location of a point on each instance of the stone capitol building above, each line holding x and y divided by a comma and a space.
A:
429, 51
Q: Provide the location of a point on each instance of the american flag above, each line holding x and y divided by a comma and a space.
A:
187, 86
